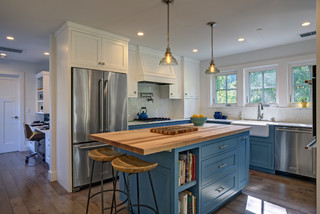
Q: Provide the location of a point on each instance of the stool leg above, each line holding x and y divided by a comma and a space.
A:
125, 184
128, 189
154, 196
138, 198
90, 186
114, 181
102, 205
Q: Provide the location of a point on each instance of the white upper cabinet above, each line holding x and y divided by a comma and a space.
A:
173, 91
97, 51
132, 82
191, 69
43, 91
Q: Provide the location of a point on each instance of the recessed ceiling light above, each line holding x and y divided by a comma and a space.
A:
46, 53
195, 50
3, 55
241, 39
10, 38
305, 24
140, 33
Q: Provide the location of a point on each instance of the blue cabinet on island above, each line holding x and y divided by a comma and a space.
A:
220, 158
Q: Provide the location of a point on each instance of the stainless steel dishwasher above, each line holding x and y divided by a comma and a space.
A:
291, 156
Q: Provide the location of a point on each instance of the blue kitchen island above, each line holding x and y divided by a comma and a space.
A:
221, 164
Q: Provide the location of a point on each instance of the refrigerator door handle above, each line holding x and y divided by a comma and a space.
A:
101, 118
105, 89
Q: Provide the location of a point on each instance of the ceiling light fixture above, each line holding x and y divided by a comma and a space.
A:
140, 33
10, 38
46, 53
305, 24
212, 67
3, 55
241, 39
195, 50
168, 59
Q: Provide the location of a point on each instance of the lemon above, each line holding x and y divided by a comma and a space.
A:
201, 116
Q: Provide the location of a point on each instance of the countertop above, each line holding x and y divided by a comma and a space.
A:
276, 123
144, 142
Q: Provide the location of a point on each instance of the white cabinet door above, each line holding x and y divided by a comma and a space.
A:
132, 82
85, 50
191, 78
175, 90
191, 107
114, 55
48, 149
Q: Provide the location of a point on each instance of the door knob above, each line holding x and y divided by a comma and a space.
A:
15, 117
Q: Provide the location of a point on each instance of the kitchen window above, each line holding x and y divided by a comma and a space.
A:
226, 89
263, 86
301, 91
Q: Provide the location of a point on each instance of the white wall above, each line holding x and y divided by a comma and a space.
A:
29, 70
283, 56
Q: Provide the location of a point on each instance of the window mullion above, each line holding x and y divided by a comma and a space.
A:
262, 86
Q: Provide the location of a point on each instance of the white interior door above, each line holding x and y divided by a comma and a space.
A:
9, 113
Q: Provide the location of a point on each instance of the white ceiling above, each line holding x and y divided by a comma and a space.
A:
32, 21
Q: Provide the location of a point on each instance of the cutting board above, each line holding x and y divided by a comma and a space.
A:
172, 130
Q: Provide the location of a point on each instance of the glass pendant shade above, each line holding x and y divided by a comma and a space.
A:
212, 69
168, 59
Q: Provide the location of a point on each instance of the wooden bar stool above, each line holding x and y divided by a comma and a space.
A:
105, 155
133, 165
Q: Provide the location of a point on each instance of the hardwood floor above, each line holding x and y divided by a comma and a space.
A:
26, 190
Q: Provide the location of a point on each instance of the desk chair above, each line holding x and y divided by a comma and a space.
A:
36, 137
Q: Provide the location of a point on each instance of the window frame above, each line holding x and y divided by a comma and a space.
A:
247, 72
214, 88
291, 84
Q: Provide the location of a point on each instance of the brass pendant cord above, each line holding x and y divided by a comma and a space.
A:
168, 23
212, 42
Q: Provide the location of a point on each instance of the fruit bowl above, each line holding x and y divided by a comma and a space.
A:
198, 121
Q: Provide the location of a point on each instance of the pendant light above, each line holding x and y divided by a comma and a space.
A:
212, 67
168, 59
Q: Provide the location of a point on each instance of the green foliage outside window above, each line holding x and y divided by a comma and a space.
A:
262, 86
301, 90
226, 89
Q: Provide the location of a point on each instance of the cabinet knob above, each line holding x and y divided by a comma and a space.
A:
171, 93
185, 94
134, 92
103, 63
99, 63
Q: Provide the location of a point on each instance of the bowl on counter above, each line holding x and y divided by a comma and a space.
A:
198, 121
224, 117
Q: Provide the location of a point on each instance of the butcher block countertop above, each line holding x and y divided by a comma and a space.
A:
144, 142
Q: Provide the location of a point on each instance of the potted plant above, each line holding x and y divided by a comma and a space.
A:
303, 103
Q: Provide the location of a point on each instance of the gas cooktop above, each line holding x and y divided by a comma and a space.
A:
153, 119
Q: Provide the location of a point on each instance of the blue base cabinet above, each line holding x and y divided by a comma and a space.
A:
262, 152
222, 171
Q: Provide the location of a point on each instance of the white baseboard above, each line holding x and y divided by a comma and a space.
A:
52, 175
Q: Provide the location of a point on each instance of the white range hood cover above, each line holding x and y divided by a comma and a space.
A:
149, 70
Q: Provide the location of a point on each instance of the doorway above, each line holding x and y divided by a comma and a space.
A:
10, 120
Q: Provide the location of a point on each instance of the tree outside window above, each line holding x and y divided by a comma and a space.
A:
301, 90
262, 86
226, 89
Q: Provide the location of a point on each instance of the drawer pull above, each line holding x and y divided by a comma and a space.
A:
223, 165
220, 189
223, 146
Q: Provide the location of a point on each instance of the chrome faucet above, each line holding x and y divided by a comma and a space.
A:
260, 108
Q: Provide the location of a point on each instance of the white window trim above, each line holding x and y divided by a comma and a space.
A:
214, 92
290, 80
246, 72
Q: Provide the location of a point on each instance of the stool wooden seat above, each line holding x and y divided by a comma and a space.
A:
104, 154
132, 164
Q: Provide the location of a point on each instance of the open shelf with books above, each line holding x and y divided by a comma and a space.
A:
187, 181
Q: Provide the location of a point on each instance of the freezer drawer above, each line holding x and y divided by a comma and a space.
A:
82, 164
290, 153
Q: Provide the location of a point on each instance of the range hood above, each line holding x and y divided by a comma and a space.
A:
149, 70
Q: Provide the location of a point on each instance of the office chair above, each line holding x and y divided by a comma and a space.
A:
36, 137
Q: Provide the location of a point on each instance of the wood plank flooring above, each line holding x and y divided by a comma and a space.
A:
26, 190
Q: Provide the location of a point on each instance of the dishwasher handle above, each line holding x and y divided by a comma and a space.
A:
294, 130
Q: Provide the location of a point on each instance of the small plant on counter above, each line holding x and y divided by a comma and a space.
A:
303, 103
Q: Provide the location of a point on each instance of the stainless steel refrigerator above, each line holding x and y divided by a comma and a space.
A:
99, 104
